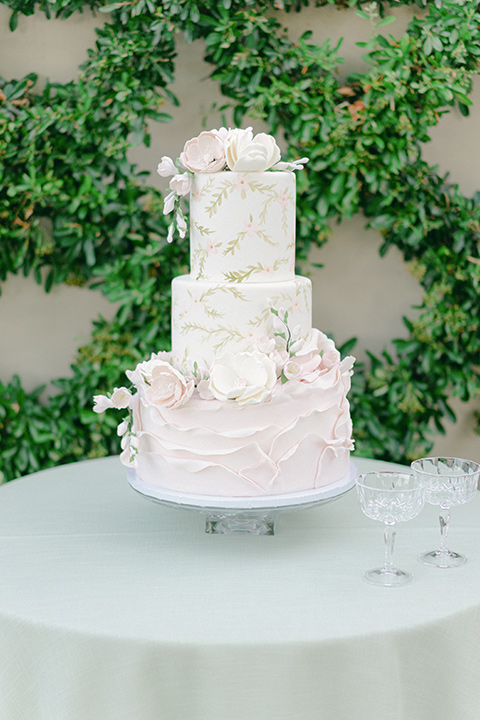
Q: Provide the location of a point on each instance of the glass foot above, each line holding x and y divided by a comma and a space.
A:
388, 577
229, 524
443, 559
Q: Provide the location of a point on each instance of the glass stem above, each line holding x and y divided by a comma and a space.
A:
389, 538
444, 519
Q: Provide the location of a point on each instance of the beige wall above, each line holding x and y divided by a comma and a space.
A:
357, 293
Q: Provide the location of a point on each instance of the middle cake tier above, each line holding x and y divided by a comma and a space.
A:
208, 318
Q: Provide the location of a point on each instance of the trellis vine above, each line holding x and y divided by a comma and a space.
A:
74, 210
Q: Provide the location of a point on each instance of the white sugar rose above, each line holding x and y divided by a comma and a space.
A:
236, 142
317, 343
205, 153
168, 387
245, 153
143, 371
312, 357
246, 377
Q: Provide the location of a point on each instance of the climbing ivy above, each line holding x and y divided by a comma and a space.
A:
75, 210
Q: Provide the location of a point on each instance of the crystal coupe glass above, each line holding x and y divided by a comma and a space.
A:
390, 497
448, 481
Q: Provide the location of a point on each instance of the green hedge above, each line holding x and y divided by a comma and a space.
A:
74, 210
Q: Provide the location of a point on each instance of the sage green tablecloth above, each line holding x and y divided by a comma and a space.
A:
116, 608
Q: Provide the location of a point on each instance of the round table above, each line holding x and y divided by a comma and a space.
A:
116, 608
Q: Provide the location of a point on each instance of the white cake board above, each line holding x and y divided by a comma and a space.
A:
243, 514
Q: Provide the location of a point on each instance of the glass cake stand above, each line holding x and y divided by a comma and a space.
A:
253, 515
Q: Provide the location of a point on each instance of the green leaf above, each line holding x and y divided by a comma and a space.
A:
347, 347
110, 8
386, 21
427, 46
13, 22
50, 280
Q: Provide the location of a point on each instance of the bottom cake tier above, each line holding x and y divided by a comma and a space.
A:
299, 439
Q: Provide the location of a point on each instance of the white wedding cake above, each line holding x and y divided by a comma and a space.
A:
251, 401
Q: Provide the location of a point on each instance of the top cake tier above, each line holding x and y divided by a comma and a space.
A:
242, 226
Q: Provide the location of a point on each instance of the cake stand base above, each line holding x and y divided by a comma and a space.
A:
221, 524
248, 515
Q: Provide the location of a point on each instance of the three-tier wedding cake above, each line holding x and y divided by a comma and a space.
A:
251, 401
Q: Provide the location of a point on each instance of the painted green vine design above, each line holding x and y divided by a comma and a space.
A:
74, 210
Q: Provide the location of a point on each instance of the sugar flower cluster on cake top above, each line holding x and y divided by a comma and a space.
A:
213, 151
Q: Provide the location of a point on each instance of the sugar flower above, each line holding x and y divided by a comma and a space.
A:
181, 225
143, 372
169, 203
246, 377
168, 387
119, 399
246, 153
291, 166
180, 184
101, 403
166, 167
205, 153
